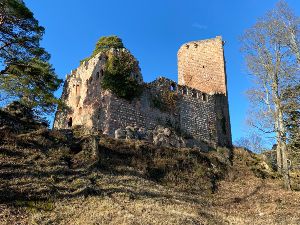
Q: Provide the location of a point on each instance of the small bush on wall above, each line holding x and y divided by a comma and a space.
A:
108, 42
105, 43
122, 75
165, 101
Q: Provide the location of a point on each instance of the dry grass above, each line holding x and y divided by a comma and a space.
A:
136, 183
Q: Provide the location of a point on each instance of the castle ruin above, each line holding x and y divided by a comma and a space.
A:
200, 109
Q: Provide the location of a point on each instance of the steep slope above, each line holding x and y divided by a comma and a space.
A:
79, 177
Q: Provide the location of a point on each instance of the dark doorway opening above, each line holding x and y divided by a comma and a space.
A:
70, 122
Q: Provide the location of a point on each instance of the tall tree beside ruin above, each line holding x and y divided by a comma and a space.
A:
20, 34
271, 50
26, 74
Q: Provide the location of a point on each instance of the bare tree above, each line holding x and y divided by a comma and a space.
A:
271, 50
253, 141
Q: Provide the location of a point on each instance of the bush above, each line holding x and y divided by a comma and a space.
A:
120, 74
165, 101
106, 43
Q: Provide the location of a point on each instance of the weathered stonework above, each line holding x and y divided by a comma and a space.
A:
197, 113
201, 65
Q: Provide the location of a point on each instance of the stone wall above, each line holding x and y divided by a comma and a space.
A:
122, 113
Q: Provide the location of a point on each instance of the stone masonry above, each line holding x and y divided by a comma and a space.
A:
201, 65
200, 110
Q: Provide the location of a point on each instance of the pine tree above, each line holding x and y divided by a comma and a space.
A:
26, 73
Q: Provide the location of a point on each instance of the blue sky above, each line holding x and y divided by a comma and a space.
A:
153, 31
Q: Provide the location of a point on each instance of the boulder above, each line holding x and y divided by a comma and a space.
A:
120, 134
167, 132
160, 136
130, 133
159, 129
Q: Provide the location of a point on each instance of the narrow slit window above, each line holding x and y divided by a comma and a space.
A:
77, 89
204, 97
173, 87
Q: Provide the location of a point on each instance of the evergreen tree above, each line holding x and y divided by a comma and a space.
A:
20, 34
26, 74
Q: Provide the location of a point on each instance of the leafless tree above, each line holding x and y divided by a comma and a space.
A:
272, 53
253, 141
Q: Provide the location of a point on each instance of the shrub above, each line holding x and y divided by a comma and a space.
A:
108, 42
105, 43
165, 101
119, 75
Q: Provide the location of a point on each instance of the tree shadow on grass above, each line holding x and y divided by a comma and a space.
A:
44, 181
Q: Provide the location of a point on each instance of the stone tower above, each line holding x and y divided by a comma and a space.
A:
201, 66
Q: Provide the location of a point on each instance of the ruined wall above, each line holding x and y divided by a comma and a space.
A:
122, 113
201, 107
223, 126
201, 65
204, 116
197, 117
81, 93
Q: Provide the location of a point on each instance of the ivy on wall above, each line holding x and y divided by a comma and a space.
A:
165, 101
121, 74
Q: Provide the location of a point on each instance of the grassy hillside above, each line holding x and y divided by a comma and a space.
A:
63, 177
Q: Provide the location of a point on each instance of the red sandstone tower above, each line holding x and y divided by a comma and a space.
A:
201, 66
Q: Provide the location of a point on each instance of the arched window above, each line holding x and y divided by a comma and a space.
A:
80, 111
184, 91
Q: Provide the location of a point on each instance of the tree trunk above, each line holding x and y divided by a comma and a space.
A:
278, 148
285, 166
282, 161
279, 155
